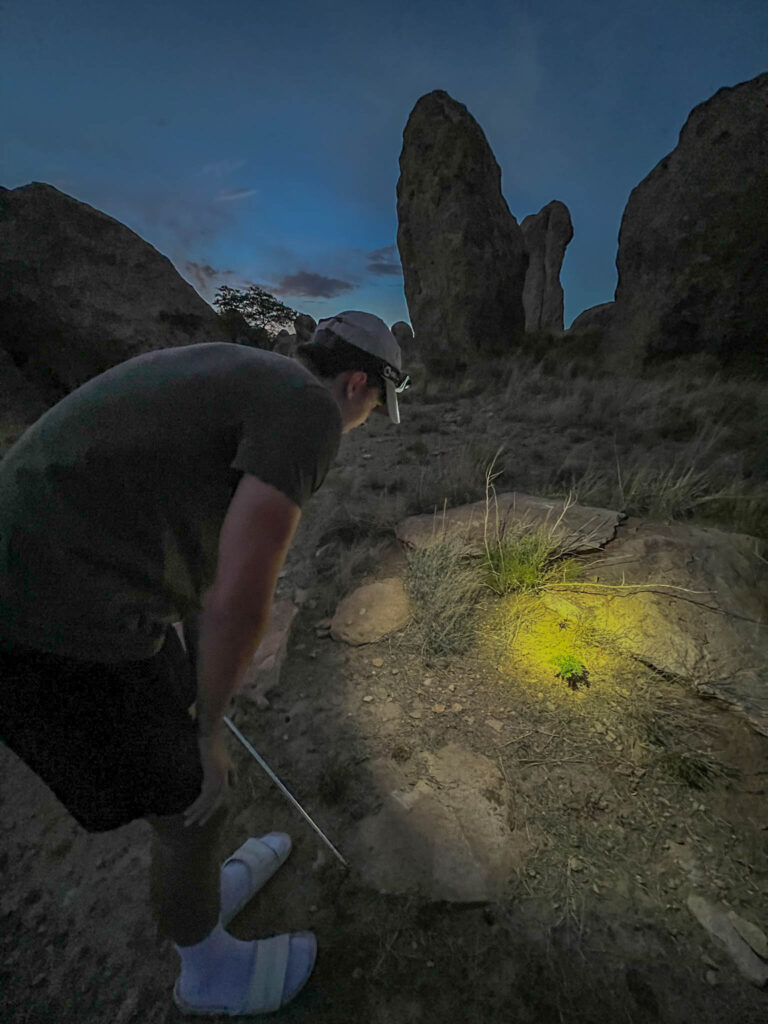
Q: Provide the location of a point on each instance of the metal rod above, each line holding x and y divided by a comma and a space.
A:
284, 791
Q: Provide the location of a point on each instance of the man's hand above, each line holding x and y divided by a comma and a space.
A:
217, 766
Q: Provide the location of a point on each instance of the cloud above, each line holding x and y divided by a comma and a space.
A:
306, 285
236, 193
384, 261
204, 275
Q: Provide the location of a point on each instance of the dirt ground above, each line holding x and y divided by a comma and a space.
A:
592, 925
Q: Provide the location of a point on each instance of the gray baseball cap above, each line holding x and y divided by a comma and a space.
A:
369, 333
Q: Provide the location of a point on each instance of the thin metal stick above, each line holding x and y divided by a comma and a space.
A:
284, 791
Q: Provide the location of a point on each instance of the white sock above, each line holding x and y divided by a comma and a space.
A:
217, 971
236, 879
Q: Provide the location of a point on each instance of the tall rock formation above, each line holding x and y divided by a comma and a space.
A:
546, 234
462, 251
80, 292
693, 245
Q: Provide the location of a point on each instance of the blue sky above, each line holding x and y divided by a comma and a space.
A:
260, 143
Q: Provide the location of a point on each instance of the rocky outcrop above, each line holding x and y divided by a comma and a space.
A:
546, 234
463, 255
693, 245
80, 292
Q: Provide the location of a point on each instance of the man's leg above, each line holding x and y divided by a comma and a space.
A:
185, 876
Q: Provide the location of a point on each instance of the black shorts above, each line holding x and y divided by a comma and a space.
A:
114, 742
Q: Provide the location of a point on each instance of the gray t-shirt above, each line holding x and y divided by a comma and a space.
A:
111, 504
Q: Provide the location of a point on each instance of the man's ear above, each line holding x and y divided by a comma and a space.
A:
356, 380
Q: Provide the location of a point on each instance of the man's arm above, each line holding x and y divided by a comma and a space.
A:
255, 537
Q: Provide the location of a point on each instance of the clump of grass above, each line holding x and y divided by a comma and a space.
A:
444, 585
521, 558
662, 493
527, 561
693, 768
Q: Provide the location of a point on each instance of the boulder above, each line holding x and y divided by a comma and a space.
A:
285, 343
304, 326
371, 612
463, 254
693, 244
547, 234
80, 292
596, 318
404, 336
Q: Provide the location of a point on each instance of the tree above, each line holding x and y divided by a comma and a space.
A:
257, 306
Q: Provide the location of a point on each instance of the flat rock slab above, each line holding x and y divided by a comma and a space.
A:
445, 835
577, 528
702, 612
371, 612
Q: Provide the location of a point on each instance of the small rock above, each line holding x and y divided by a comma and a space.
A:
495, 724
300, 596
395, 671
455, 707
574, 864
415, 714
378, 662
371, 612
711, 977
368, 698
750, 933
715, 918
452, 687
438, 708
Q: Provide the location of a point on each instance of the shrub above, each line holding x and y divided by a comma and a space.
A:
444, 585
571, 670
